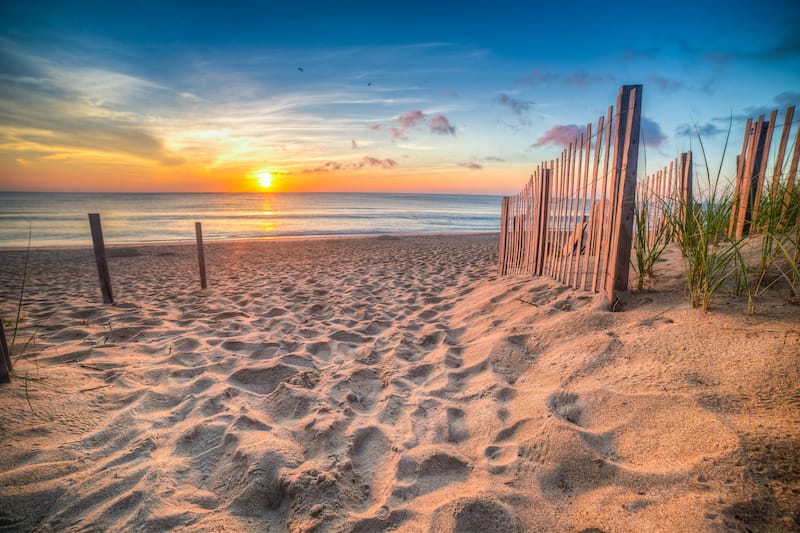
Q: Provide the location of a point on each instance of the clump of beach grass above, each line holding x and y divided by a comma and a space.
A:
764, 259
701, 229
650, 238
776, 236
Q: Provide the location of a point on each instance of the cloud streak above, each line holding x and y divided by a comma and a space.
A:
402, 124
520, 108
581, 78
560, 135
364, 162
440, 125
651, 133
705, 130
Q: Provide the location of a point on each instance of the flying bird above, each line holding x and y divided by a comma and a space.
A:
300, 69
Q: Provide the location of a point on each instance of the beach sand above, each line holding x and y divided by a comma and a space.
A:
389, 383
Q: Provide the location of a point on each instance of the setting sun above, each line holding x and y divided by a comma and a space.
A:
264, 179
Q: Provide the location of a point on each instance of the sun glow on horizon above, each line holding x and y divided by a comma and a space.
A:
264, 179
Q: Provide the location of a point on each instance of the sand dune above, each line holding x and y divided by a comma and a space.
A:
389, 384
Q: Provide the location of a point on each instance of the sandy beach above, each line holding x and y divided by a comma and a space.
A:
388, 384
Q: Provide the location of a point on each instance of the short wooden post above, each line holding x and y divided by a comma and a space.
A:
100, 258
626, 163
201, 255
5, 357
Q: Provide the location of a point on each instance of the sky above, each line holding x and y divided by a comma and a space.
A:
442, 97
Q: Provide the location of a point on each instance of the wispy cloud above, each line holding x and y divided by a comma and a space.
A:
787, 98
493, 158
538, 77
705, 130
671, 85
402, 124
441, 125
558, 136
405, 122
781, 100
364, 162
471, 165
517, 106
785, 45
49, 110
520, 108
651, 133
410, 119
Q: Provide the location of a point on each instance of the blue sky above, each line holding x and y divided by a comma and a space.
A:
422, 96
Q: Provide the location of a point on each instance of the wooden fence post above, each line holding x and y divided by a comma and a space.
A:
686, 181
100, 258
776, 174
501, 252
740, 162
792, 173
201, 255
750, 178
544, 220
626, 156
762, 166
5, 357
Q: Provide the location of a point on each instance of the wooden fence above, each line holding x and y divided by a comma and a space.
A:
752, 167
573, 221
665, 194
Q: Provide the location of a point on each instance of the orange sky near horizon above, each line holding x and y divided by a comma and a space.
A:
91, 172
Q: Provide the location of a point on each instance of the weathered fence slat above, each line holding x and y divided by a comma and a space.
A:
630, 116
776, 174
602, 218
792, 173
582, 199
762, 167
739, 176
592, 199
749, 181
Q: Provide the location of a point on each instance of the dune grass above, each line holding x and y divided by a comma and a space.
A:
650, 239
766, 258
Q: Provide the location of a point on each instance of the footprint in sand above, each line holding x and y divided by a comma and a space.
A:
500, 457
479, 514
419, 374
456, 425
453, 358
429, 468
360, 390
367, 451
288, 402
262, 380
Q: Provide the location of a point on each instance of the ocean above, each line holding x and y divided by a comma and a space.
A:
60, 219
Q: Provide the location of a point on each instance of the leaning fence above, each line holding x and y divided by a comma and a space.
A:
573, 221
751, 173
